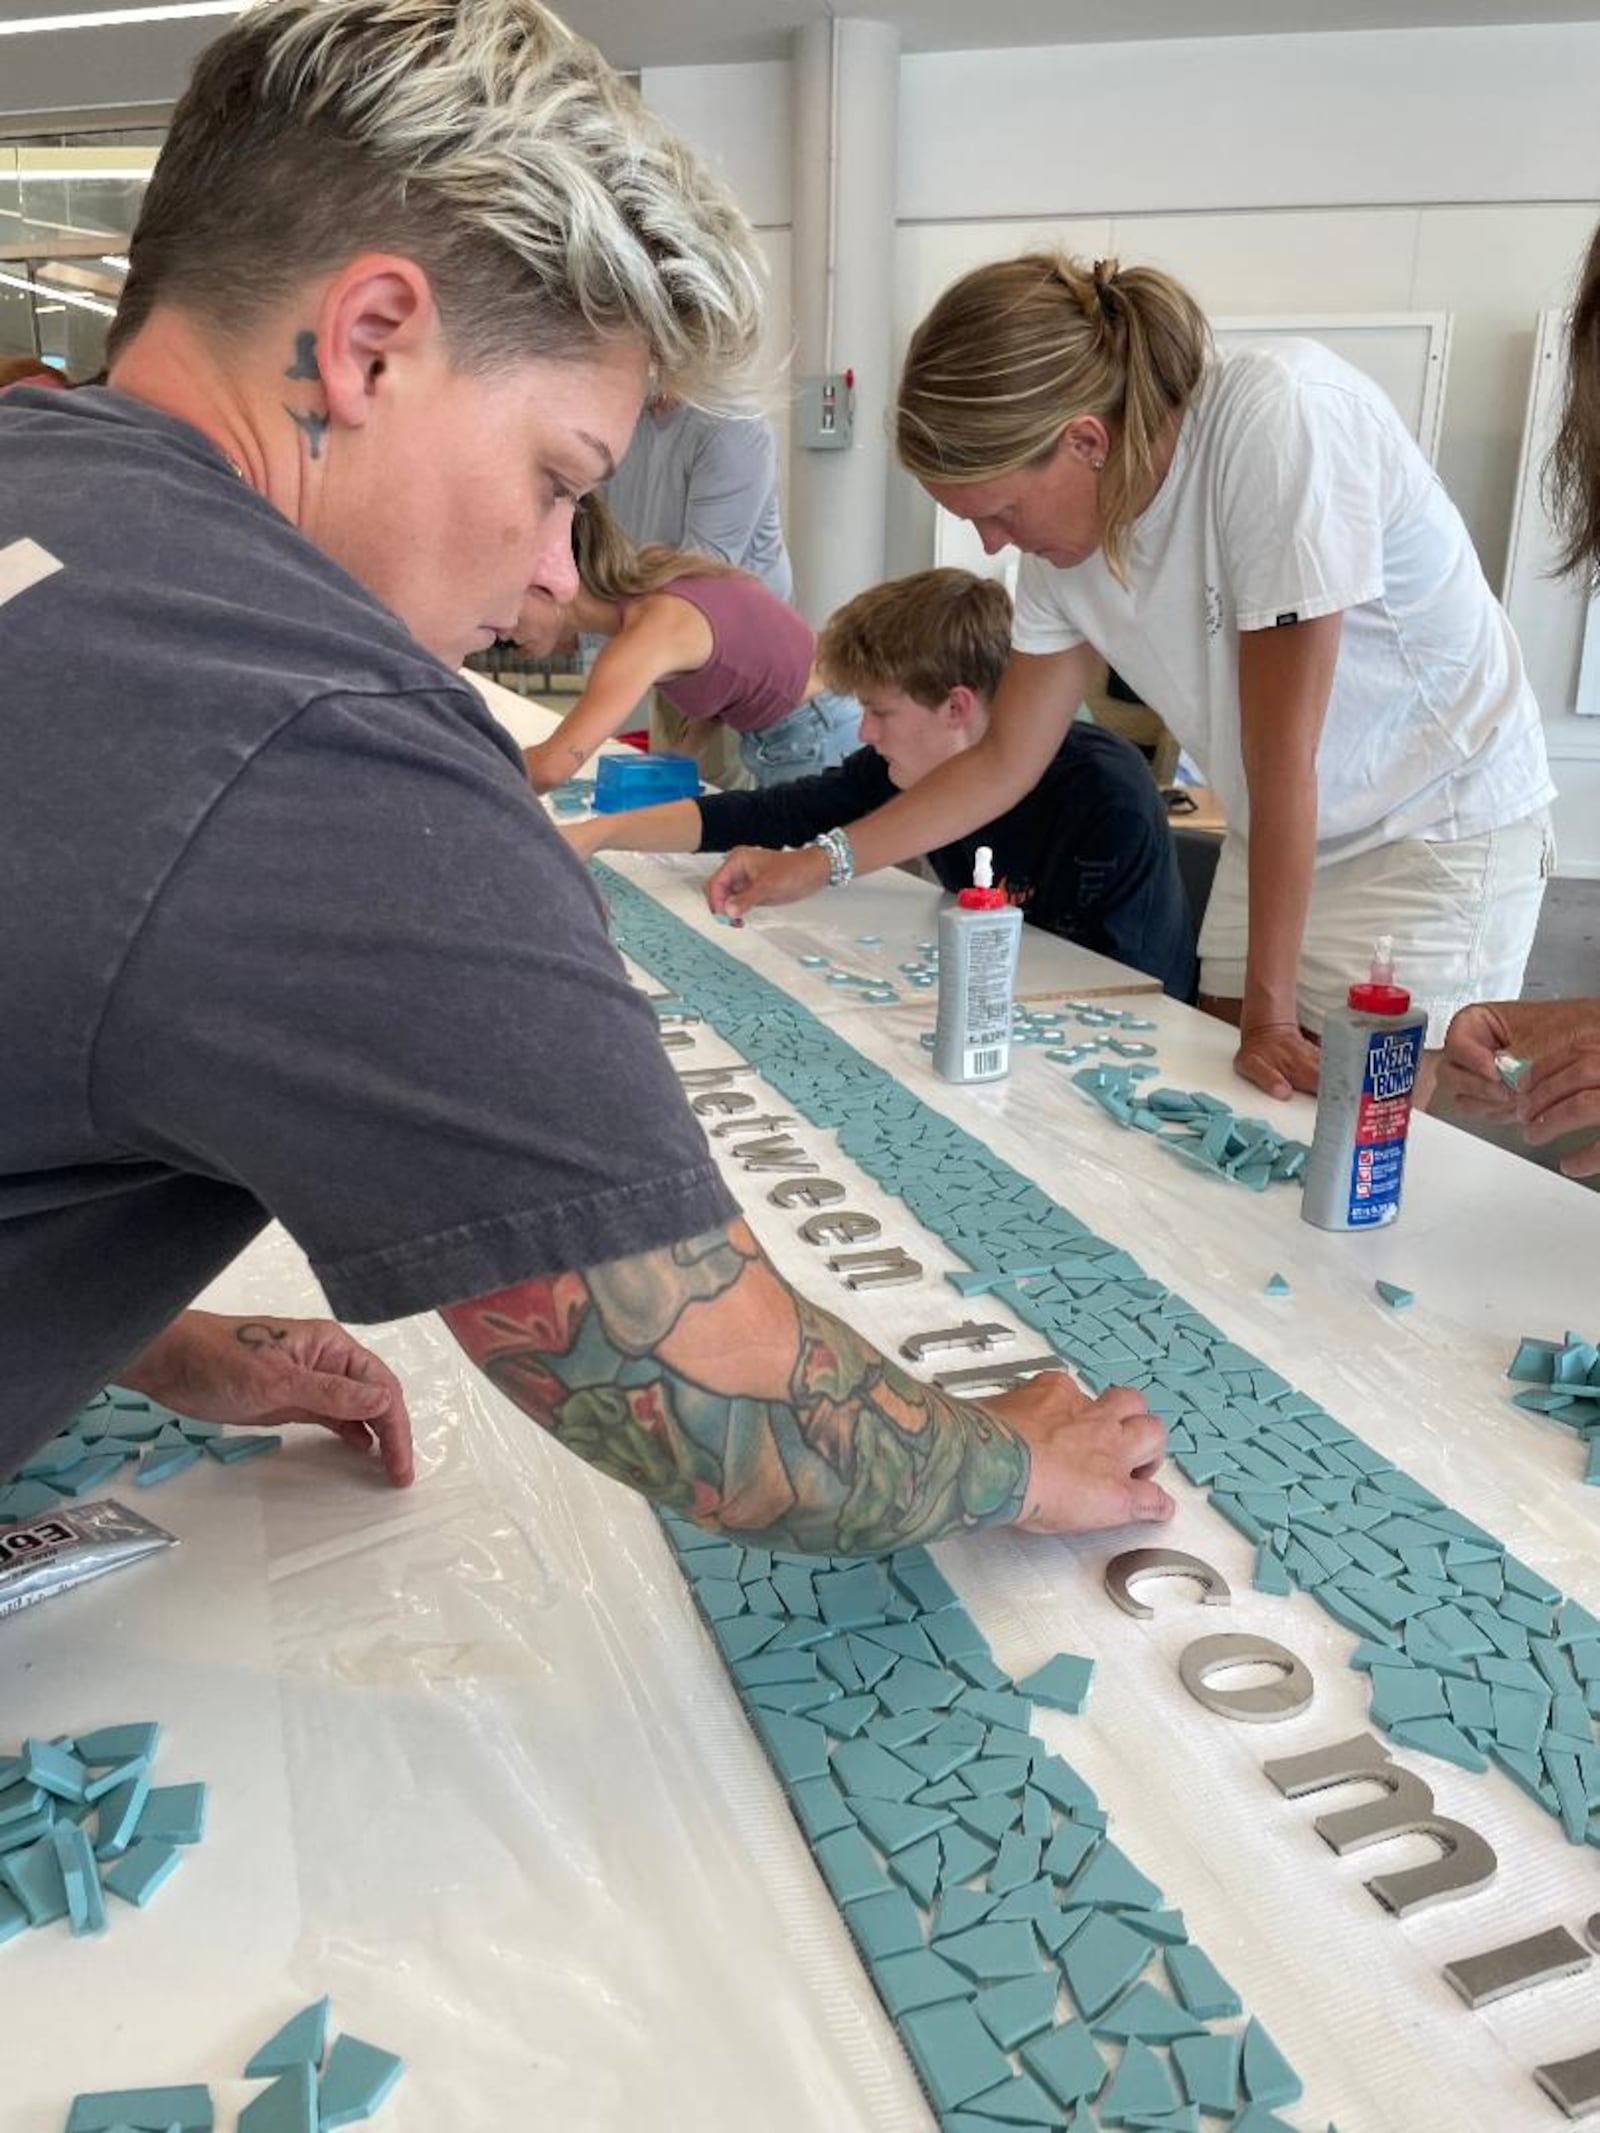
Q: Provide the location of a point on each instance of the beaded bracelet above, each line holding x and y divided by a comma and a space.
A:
841, 860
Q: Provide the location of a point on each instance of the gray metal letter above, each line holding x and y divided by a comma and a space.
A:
1520, 1964
1124, 1571
887, 1268
968, 1335
1573, 2083
1261, 1706
725, 1101
1465, 1863
806, 1192
846, 1227
995, 1377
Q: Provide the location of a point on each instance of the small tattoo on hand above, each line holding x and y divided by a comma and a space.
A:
312, 427
256, 1333
305, 358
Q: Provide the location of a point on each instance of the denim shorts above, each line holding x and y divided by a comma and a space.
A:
815, 736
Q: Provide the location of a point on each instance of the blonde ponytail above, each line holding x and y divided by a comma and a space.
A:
1014, 351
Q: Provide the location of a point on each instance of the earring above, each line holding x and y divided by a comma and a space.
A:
1097, 466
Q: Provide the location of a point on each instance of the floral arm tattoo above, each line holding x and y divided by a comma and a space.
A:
828, 1448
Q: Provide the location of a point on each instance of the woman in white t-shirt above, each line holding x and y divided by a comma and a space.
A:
1255, 543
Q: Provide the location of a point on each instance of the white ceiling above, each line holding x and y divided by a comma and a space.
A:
655, 33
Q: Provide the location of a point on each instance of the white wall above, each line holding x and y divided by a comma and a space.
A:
1418, 170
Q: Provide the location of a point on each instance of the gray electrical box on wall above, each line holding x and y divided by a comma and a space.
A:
824, 412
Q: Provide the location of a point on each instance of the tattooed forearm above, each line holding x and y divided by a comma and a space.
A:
695, 1376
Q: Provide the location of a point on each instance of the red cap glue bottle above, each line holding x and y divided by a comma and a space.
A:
978, 939
1370, 1050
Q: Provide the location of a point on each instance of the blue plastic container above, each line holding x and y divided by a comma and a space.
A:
624, 781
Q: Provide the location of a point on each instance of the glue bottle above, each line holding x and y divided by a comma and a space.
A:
1370, 1050
978, 939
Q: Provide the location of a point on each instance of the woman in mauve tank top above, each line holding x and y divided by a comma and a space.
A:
709, 638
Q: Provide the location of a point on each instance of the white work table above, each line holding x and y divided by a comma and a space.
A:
477, 1771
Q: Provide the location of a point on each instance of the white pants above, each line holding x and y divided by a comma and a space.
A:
1461, 913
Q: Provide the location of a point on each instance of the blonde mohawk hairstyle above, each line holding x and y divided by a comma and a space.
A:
481, 138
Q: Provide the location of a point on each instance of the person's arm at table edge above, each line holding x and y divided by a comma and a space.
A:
661, 637
1285, 681
1035, 704
765, 1417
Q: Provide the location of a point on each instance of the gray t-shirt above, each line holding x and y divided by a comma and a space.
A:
284, 934
707, 482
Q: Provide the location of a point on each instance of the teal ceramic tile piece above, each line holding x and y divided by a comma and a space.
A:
964, 1855
173, 1814
1019, 2102
1146, 2012
86, 1911
1016, 1865
919, 1867
1277, 1286
1038, 1819
188, 2108
1208, 2068
1068, 2063
1062, 1682
992, 1817
919, 1978
866, 1771
114, 1776
1437, 1736
118, 1817
1520, 1716
990, 1953
871, 1660
954, 2053
1268, 2076
988, 1774
355, 2081
1019, 2009
288, 2106
21, 1802
1165, 1927
1101, 1961
1406, 1693
893, 1825
1111, 1881
139, 1872
907, 1640
18, 1836
33, 1875
248, 1444
954, 1635
820, 1807
959, 1909
1068, 1849
166, 1463
1141, 2087
1200, 1985
1258, 2119
798, 1746
54, 1770
945, 1793
885, 1924
847, 1599
741, 1636
13, 1918
91, 1474
846, 1717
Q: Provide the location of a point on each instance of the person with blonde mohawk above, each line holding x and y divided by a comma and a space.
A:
288, 934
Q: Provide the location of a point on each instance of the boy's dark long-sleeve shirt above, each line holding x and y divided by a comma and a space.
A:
1088, 853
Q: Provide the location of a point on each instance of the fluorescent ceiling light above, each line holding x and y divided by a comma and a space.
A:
110, 18
114, 259
60, 296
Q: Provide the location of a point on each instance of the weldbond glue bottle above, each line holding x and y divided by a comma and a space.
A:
1370, 1051
978, 940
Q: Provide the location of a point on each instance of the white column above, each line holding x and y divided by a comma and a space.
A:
846, 88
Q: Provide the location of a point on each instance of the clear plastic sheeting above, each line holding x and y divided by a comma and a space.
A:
477, 1772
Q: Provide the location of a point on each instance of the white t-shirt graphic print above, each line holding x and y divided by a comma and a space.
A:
1296, 491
